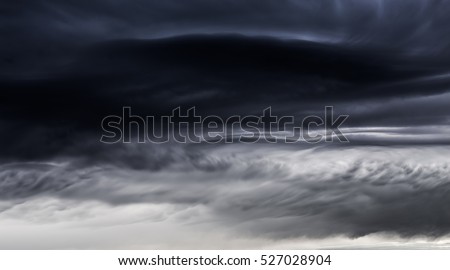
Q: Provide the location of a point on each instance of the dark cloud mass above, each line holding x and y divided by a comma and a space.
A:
65, 65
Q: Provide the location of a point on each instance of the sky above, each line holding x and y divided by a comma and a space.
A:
65, 65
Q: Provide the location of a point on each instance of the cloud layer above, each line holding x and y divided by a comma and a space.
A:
66, 65
260, 192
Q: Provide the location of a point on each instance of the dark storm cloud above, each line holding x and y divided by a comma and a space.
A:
360, 50
64, 65
37, 34
396, 23
227, 69
221, 75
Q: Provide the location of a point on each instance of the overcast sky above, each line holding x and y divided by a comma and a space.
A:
64, 65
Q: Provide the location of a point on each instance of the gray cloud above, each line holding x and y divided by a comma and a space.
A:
313, 193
